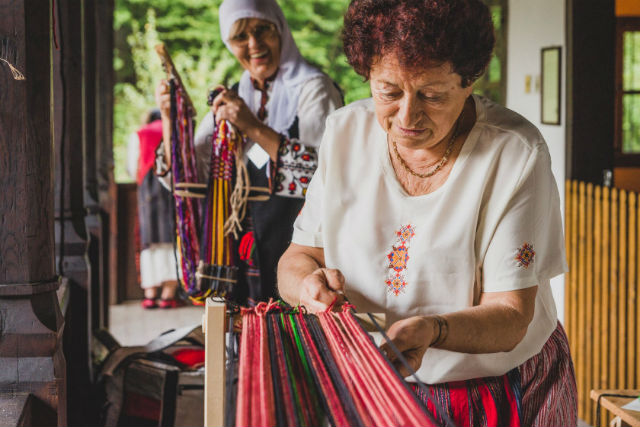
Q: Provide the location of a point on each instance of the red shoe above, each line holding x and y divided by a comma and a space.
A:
149, 303
170, 303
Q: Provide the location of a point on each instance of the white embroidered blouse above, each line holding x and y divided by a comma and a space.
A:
297, 157
493, 226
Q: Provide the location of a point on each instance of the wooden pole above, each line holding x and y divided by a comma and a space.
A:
637, 286
581, 355
31, 327
589, 301
568, 232
172, 73
597, 292
604, 306
613, 289
573, 315
622, 291
632, 297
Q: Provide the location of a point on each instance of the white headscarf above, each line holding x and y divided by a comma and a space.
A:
294, 71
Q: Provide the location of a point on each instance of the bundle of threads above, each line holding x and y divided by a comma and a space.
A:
216, 271
298, 369
185, 182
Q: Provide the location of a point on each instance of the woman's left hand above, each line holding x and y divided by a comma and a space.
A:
229, 106
412, 337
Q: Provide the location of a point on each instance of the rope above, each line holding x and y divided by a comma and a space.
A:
239, 197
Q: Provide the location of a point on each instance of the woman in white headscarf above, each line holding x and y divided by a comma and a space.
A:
280, 104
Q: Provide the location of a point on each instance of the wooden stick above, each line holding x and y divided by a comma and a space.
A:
588, 307
637, 286
632, 297
573, 269
190, 185
581, 355
597, 294
604, 306
182, 193
622, 291
613, 286
568, 232
172, 73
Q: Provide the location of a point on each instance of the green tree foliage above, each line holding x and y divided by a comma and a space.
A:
190, 30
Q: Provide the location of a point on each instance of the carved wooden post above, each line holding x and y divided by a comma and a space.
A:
30, 319
107, 190
70, 229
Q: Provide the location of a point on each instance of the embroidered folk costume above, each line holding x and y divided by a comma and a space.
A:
294, 104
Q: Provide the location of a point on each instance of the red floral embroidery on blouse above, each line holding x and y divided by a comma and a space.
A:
525, 255
295, 167
398, 258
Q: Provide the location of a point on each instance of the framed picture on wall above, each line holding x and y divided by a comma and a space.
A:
550, 85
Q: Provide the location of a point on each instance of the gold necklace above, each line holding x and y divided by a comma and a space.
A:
439, 163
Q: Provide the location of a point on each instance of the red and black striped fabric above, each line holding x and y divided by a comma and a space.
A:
540, 392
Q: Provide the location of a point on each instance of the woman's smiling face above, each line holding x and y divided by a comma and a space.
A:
257, 48
416, 107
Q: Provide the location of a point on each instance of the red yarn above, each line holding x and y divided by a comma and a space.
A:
379, 396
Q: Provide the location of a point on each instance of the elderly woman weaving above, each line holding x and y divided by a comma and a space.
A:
439, 208
280, 105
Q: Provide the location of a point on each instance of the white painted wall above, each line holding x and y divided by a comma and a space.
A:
533, 25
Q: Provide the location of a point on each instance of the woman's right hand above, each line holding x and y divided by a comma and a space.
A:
322, 288
163, 99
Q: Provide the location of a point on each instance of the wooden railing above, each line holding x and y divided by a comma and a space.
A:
601, 300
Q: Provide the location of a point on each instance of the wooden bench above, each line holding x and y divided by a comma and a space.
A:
614, 400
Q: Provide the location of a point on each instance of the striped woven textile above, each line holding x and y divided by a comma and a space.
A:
540, 392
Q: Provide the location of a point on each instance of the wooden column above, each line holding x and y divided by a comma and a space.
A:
93, 217
107, 190
70, 228
31, 322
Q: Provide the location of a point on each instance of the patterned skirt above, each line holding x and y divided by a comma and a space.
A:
540, 392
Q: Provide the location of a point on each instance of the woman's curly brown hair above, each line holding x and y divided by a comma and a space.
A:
420, 32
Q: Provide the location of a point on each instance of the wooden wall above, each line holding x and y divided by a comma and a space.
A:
602, 287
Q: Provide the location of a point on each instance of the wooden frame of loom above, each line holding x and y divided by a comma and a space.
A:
214, 329
213, 326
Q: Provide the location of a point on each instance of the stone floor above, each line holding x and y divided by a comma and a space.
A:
131, 324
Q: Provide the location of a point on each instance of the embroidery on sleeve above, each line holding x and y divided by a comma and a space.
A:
524, 255
398, 258
296, 165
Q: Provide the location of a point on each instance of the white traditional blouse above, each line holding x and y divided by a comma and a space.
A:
493, 226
